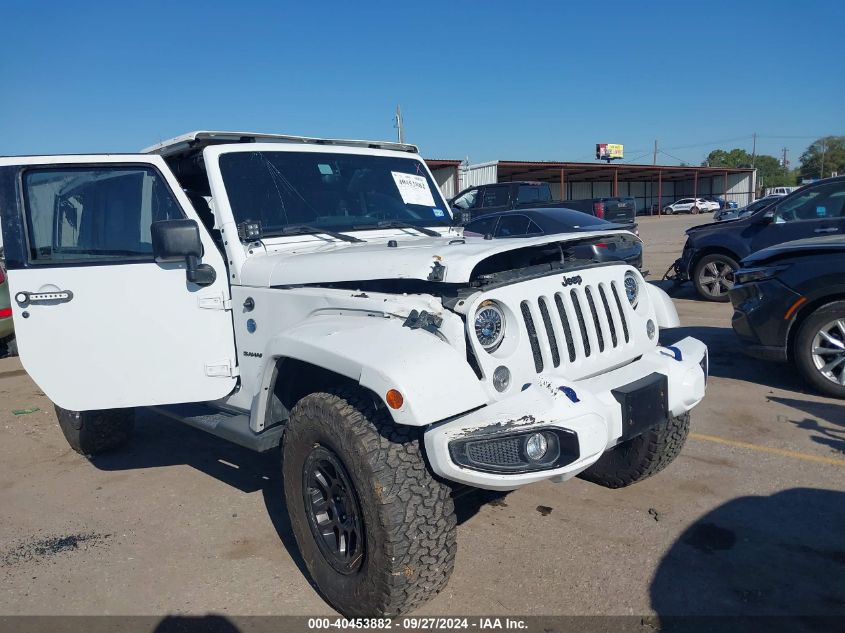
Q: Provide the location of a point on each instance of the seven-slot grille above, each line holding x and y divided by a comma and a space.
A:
576, 323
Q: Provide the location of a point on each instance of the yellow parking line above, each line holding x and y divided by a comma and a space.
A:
807, 457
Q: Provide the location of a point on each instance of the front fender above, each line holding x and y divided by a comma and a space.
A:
664, 309
434, 379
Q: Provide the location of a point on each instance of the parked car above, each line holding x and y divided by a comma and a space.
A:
789, 305
508, 196
619, 210
733, 214
8, 343
536, 222
779, 191
690, 205
712, 251
323, 308
723, 204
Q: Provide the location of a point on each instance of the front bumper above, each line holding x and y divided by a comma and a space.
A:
593, 416
759, 318
681, 267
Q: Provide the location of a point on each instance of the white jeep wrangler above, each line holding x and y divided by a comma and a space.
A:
316, 294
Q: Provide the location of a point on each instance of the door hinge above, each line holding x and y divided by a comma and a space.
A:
222, 369
215, 302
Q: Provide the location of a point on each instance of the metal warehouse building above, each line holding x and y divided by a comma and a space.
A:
649, 185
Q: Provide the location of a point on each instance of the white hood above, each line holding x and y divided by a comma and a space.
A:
319, 261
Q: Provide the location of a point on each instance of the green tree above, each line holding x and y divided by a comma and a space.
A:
733, 158
770, 172
824, 156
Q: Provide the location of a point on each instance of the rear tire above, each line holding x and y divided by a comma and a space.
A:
824, 332
641, 456
713, 277
695, 210
93, 432
400, 546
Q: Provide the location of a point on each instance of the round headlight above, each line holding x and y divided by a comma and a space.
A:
632, 288
489, 325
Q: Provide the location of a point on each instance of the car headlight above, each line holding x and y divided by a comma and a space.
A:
489, 325
632, 288
748, 275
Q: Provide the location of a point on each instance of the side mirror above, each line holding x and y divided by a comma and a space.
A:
768, 217
176, 240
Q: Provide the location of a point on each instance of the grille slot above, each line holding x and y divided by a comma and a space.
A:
581, 324
596, 320
532, 336
621, 311
567, 330
547, 322
609, 314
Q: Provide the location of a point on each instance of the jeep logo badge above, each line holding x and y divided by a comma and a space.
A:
571, 281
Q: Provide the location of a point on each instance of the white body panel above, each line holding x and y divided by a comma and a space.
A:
596, 418
134, 333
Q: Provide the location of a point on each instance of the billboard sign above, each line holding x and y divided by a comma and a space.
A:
609, 151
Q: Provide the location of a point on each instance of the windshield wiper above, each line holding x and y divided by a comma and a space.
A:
398, 224
305, 229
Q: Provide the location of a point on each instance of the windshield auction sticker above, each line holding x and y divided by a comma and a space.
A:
413, 189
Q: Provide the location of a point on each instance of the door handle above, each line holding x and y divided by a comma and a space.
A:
827, 230
25, 298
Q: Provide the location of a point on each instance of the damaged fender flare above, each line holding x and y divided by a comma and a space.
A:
434, 379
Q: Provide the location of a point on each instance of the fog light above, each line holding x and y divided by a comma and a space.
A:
650, 329
536, 446
501, 378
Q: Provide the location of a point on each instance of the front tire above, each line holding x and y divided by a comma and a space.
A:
820, 349
90, 433
375, 528
641, 456
695, 210
713, 277
668, 211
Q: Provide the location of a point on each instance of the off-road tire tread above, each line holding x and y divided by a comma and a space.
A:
417, 519
99, 431
804, 340
642, 456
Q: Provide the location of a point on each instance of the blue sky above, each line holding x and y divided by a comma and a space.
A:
483, 80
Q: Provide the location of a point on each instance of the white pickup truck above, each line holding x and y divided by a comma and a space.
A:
315, 295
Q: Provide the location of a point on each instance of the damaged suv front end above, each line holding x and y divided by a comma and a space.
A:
572, 367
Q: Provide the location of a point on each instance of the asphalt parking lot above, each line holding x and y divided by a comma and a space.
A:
748, 520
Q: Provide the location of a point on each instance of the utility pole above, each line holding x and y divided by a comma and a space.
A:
654, 160
398, 124
785, 162
753, 149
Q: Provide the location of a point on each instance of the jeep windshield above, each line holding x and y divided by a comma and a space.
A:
333, 191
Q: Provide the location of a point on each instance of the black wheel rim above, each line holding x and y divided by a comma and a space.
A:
333, 511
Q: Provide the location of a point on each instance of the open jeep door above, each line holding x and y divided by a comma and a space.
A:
99, 323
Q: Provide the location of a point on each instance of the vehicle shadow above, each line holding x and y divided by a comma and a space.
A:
762, 563
159, 442
676, 290
827, 422
728, 361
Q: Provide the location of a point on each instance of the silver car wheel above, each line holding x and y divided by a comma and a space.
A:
828, 351
717, 278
